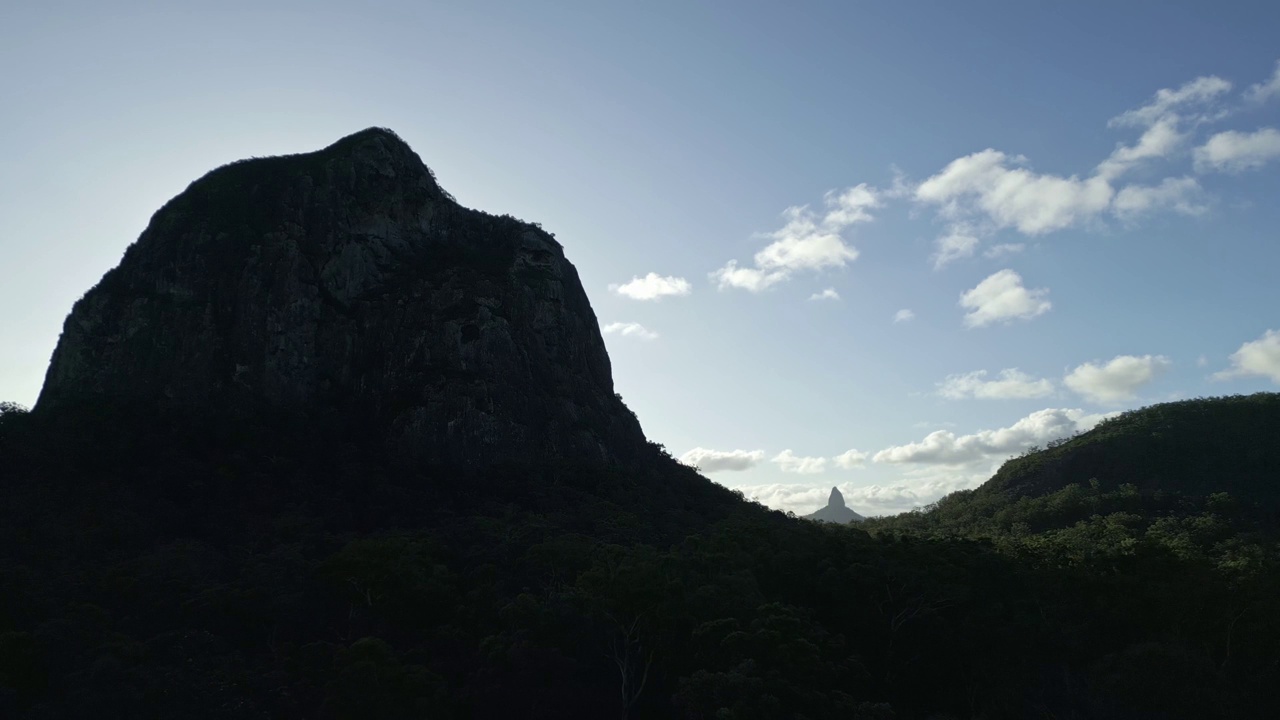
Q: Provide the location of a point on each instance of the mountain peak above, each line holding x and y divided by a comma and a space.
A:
347, 280
835, 510
836, 499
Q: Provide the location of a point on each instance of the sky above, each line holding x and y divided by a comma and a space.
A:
882, 246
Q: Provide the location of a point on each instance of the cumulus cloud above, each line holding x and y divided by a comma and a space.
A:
1002, 298
851, 459
997, 191
1012, 384
1264, 91
1159, 140
957, 244
732, 276
1259, 357
709, 461
809, 241
992, 183
629, 329
1179, 194
903, 315
1194, 102
828, 294
1235, 151
943, 447
788, 461
652, 287
1118, 380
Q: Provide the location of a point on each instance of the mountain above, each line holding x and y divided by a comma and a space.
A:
835, 511
1192, 447
327, 445
1178, 459
346, 281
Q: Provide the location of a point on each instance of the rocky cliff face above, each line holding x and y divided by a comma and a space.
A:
347, 279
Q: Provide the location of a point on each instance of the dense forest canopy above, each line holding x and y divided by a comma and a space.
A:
163, 567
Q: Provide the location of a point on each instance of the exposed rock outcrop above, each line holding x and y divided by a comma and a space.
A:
346, 279
835, 511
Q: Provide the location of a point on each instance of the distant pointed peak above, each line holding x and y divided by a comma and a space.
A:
836, 499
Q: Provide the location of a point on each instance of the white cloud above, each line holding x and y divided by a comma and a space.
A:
653, 287
790, 462
999, 251
1180, 194
709, 461
1002, 298
745, 278
1000, 191
903, 315
629, 329
1012, 384
1202, 361
1117, 381
943, 447
828, 294
1193, 101
959, 243
851, 459
1264, 91
1014, 197
807, 242
1159, 140
1235, 151
851, 206
1259, 357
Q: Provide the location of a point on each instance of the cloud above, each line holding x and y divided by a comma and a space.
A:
828, 294
1014, 197
1011, 385
851, 459
808, 241
1002, 298
943, 447
1259, 357
999, 191
1264, 91
1180, 194
1235, 151
1118, 381
959, 243
653, 287
904, 315
745, 278
709, 461
999, 251
629, 329
791, 463
1193, 101
1159, 140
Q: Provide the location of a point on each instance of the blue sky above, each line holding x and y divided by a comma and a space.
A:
1015, 218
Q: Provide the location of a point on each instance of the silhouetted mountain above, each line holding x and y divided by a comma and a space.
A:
327, 445
346, 280
1164, 460
835, 511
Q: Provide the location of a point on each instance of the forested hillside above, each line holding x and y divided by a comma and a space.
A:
151, 568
